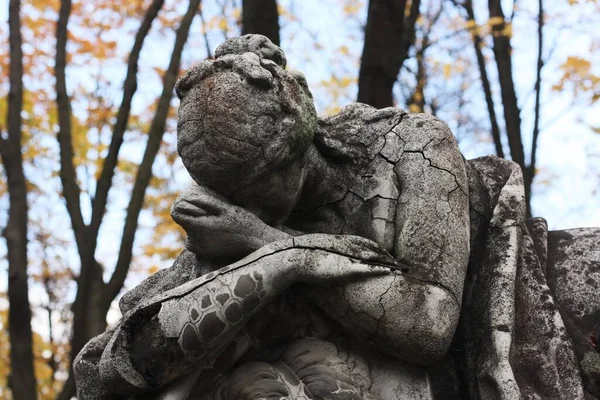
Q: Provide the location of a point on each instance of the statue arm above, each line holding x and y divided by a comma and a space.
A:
432, 218
201, 324
421, 308
414, 315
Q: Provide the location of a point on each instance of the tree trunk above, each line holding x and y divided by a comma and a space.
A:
512, 114
261, 16
485, 82
388, 38
88, 321
22, 379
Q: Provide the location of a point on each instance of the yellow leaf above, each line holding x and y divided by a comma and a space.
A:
223, 24
332, 110
414, 108
352, 8
284, 13
495, 21
447, 70
346, 81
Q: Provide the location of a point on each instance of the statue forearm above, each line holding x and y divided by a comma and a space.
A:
407, 317
195, 324
404, 317
191, 326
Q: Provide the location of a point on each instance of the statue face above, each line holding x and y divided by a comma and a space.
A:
244, 120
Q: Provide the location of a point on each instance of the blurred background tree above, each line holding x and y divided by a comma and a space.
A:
88, 129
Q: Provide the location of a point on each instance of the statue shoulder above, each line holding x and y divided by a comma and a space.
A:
360, 132
495, 172
356, 131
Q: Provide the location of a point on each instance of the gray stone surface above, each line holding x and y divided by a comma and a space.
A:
357, 256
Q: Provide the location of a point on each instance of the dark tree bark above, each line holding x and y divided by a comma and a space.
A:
485, 82
538, 89
512, 114
94, 296
388, 38
262, 17
503, 56
22, 378
89, 272
512, 118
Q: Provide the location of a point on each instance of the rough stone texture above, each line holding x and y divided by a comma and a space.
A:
357, 256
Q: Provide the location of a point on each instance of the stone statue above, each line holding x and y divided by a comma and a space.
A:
357, 256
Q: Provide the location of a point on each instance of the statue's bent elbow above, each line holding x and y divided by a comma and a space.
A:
422, 335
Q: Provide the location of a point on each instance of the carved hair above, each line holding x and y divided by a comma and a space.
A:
258, 45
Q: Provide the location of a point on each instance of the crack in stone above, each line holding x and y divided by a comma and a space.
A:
333, 203
384, 310
392, 163
234, 138
377, 137
422, 153
182, 123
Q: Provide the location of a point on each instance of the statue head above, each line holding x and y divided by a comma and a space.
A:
242, 116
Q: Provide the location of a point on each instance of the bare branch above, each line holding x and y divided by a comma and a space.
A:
512, 12
418, 96
205, 34
223, 5
145, 171
129, 88
71, 192
68, 175
538, 87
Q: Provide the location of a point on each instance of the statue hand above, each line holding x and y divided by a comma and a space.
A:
218, 229
334, 257
353, 246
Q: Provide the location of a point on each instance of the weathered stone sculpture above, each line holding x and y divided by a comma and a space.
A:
352, 257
